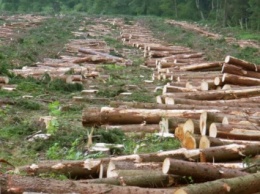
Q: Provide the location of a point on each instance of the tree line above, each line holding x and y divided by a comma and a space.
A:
243, 13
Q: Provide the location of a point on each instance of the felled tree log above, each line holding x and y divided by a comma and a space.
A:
202, 66
233, 133
228, 152
114, 116
106, 55
220, 142
147, 128
21, 184
73, 169
240, 80
233, 69
182, 154
145, 180
241, 63
199, 171
242, 102
219, 95
242, 185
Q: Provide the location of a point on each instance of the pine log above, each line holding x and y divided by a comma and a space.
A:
202, 66
228, 152
21, 184
204, 142
72, 169
175, 89
145, 180
114, 116
199, 171
241, 63
208, 85
174, 122
242, 102
147, 128
240, 80
220, 142
233, 133
218, 95
182, 154
236, 70
242, 185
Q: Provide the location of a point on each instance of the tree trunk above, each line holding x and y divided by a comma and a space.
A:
72, 169
228, 152
242, 185
145, 180
21, 184
202, 66
241, 63
233, 133
220, 142
219, 95
199, 171
237, 70
147, 128
240, 80
117, 116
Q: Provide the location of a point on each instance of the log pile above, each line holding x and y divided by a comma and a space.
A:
217, 128
204, 32
15, 24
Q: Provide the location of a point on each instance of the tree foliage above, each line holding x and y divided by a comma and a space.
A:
243, 13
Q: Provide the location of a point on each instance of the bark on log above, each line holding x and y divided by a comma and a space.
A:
72, 169
233, 133
114, 116
199, 171
202, 66
248, 132
236, 70
147, 128
145, 180
218, 95
220, 142
241, 63
114, 166
20, 184
242, 185
242, 102
240, 80
228, 152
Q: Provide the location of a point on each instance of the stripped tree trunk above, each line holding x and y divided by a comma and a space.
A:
242, 185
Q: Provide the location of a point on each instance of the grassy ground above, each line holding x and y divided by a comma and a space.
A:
19, 119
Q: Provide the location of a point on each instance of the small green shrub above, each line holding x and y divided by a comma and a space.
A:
60, 85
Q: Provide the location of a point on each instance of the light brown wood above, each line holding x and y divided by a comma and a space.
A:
236, 70
202, 66
240, 80
243, 185
199, 171
117, 116
228, 152
241, 63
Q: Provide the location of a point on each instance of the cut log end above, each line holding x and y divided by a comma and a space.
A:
204, 142
166, 166
227, 59
213, 130
203, 123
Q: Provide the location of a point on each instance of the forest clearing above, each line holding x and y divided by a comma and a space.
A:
124, 104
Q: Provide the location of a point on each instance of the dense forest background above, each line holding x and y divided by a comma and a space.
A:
243, 13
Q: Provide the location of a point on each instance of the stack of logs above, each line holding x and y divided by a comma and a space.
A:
84, 61
217, 128
14, 24
204, 32
211, 107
